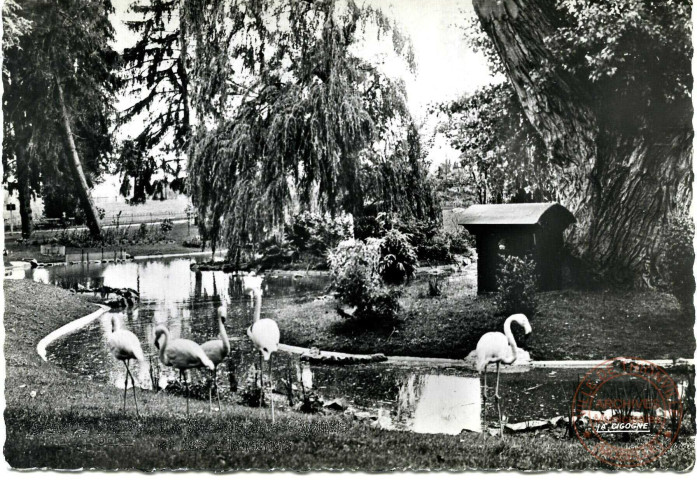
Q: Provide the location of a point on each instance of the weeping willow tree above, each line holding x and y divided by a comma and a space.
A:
290, 116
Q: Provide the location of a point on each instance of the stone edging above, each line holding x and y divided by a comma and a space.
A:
331, 358
68, 328
350, 358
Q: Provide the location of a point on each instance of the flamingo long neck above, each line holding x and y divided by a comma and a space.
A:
223, 335
257, 306
163, 346
511, 340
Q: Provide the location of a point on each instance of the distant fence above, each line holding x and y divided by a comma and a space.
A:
96, 256
52, 249
132, 218
113, 220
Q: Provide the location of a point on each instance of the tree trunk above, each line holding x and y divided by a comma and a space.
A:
76, 168
182, 65
622, 186
24, 190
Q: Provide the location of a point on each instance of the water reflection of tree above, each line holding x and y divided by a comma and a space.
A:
409, 393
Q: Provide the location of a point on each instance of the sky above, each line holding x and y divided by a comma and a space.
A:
446, 67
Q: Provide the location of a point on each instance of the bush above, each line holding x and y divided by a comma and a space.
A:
193, 242
398, 260
420, 232
355, 271
315, 233
368, 227
517, 282
166, 226
678, 259
428, 237
436, 250
461, 241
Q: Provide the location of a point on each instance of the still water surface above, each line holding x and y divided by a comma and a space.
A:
424, 400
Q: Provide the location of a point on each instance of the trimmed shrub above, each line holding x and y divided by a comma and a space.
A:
517, 285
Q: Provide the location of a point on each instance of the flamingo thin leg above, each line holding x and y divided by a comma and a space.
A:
273, 415
497, 380
485, 397
217, 391
210, 392
125, 387
133, 381
261, 378
186, 384
496, 397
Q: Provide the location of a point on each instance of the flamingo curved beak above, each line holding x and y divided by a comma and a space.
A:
528, 329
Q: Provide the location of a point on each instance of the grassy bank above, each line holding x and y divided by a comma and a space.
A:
570, 324
172, 244
60, 420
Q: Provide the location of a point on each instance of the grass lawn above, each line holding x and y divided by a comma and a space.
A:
571, 324
60, 420
173, 244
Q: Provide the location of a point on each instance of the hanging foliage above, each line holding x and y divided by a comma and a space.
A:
301, 121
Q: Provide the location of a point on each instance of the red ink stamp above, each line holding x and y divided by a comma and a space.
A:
627, 412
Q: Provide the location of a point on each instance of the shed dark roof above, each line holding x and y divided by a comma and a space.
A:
511, 214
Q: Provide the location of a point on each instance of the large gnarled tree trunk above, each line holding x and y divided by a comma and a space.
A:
622, 185
81, 185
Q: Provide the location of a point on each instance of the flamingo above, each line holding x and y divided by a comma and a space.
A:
181, 354
498, 348
250, 284
124, 346
265, 336
216, 350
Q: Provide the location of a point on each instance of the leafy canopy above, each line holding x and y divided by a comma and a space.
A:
292, 115
49, 42
502, 157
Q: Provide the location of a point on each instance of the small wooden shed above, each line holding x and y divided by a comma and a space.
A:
521, 228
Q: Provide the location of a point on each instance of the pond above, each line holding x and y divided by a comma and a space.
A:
418, 398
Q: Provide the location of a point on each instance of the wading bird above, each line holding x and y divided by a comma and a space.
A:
216, 350
250, 284
265, 336
124, 345
181, 354
498, 348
